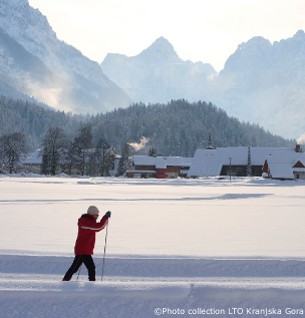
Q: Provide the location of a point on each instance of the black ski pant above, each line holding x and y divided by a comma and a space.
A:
77, 262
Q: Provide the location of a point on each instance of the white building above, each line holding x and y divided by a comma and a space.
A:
235, 160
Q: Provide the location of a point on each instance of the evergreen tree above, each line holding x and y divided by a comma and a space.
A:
124, 162
249, 164
266, 170
152, 152
81, 149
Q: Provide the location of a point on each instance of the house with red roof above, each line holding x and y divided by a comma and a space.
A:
159, 167
299, 170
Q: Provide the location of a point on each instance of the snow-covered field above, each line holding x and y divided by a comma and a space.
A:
186, 248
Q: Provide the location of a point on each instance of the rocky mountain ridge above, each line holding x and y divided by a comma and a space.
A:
262, 82
71, 81
158, 74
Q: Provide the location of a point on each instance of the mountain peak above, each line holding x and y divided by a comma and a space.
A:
299, 35
160, 50
255, 43
255, 51
162, 43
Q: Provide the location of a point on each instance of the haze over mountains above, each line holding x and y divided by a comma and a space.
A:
158, 75
33, 62
261, 82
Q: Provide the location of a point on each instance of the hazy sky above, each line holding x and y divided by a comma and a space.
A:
200, 30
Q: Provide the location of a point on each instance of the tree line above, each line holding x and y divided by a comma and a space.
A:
78, 144
78, 156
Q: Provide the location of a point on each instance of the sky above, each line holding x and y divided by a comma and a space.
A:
200, 30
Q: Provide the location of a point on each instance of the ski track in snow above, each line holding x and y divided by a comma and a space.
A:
137, 286
211, 232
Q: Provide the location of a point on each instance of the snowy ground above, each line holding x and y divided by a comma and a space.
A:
186, 248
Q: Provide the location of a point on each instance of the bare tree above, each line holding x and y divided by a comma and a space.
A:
52, 150
12, 147
81, 149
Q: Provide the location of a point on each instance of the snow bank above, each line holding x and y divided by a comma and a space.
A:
151, 300
30, 286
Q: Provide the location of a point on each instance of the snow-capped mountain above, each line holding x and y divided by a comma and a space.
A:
261, 82
58, 74
16, 64
157, 74
264, 82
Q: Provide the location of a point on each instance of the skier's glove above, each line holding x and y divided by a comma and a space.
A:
108, 214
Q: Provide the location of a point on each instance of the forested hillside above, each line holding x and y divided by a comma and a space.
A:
176, 128
179, 128
33, 120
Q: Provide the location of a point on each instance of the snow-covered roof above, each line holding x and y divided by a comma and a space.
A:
162, 162
179, 161
282, 160
208, 162
141, 171
280, 170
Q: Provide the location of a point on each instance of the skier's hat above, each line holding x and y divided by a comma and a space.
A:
93, 210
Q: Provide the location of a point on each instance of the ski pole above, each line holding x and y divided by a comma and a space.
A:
105, 246
79, 272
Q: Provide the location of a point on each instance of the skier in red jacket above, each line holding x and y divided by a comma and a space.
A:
84, 245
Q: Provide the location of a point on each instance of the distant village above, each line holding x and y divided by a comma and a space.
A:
267, 162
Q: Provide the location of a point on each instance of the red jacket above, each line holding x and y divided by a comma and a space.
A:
87, 227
